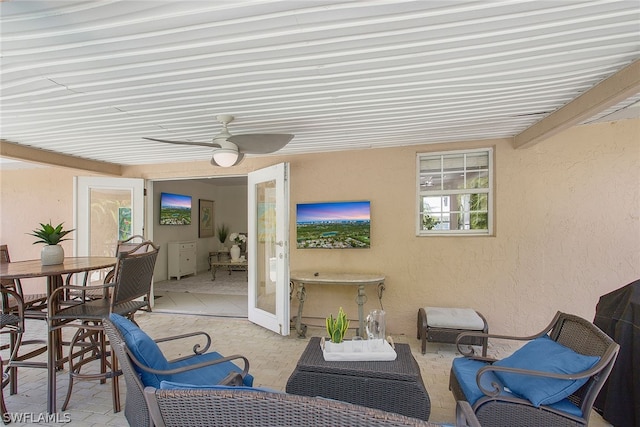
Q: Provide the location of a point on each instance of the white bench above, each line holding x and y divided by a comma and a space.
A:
444, 324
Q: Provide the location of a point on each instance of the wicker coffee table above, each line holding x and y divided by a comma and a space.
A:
394, 386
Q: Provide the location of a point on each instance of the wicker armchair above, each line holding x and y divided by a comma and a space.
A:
242, 408
509, 392
136, 411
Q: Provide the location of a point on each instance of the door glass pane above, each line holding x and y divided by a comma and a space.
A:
266, 246
109, 221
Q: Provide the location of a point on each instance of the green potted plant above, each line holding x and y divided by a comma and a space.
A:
51, 236
223, 232
336, 328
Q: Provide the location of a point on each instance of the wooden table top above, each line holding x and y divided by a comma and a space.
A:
34, 267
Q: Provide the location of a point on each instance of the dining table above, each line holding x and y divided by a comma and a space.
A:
54, 274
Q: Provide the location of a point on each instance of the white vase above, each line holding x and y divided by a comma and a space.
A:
52, 255
235, 253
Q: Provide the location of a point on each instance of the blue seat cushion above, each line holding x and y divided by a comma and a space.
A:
465, 371
206, 376
545, 355
145, 349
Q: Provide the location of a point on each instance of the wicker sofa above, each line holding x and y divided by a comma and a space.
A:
244, 408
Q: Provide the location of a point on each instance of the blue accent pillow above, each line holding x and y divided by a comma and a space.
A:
546, 355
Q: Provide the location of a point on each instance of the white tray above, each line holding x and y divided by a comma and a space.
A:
361, 350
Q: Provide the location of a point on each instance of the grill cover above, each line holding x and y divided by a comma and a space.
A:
618, 314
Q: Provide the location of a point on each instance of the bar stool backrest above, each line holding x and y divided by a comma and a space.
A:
134, 273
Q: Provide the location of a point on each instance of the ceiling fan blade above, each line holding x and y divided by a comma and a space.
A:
257, 143
203, 144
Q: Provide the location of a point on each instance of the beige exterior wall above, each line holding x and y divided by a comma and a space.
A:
567, 226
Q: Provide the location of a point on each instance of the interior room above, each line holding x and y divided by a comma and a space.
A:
496, 146
198, 292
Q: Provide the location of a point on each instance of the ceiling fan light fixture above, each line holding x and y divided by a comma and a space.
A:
225, 157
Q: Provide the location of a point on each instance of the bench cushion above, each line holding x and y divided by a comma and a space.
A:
454, 318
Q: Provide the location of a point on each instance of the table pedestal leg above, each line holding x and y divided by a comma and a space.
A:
302, 295
361, 299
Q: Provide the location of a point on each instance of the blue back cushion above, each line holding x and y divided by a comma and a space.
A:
143, 348
546, 355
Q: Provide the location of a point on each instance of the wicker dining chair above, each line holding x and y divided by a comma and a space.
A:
34, 305
127, 293
11, 323
552, 380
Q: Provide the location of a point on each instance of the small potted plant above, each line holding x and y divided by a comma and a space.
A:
336, 328
51, 236
223, 232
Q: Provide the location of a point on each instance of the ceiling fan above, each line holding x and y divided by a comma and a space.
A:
229, 150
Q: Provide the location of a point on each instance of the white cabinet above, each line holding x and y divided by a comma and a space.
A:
181, 259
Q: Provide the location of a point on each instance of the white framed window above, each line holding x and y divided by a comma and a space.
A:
455, 192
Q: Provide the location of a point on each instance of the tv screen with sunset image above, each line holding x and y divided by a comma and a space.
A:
333, 225
175, 209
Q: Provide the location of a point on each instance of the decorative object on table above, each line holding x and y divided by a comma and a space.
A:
236, 239
336, 328
376, 325
223, 232
51, 236
358, 350
205, 222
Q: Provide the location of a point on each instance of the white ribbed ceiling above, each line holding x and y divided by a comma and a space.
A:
91, 78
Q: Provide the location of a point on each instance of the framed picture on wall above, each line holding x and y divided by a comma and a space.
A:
205, 223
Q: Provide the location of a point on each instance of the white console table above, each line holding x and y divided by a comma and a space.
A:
300, 279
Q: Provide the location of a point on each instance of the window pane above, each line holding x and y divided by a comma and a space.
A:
477, 161
453, 181
478, 179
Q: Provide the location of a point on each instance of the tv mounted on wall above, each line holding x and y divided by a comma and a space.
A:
175, 209
333, 225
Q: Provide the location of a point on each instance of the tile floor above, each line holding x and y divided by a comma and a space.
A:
272, 358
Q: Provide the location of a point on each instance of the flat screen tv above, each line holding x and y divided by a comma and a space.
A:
175, 209
333, 225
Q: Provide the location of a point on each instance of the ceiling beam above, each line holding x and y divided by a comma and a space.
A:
52, 158
608, 92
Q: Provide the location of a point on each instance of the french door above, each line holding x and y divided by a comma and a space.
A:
106, 210
268, 248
